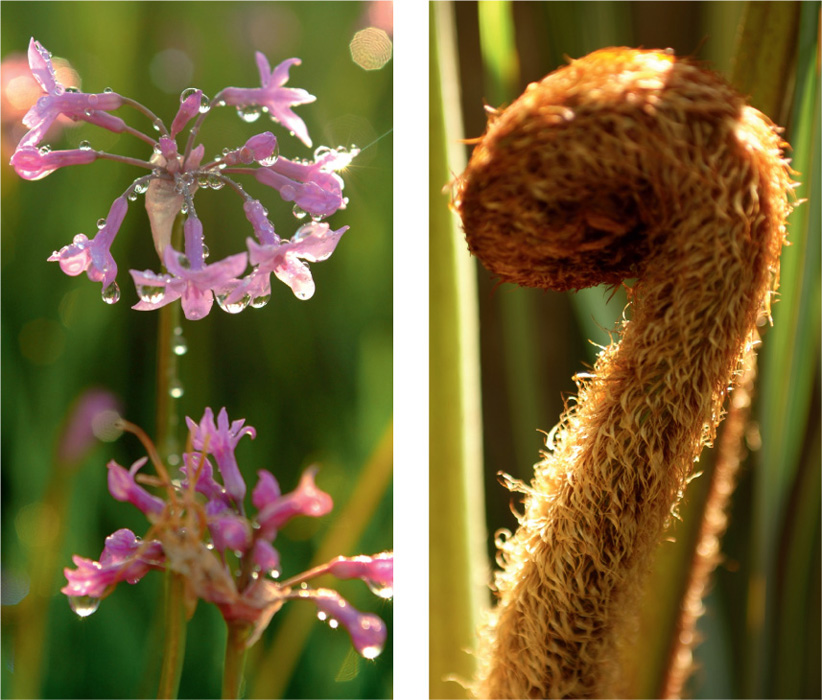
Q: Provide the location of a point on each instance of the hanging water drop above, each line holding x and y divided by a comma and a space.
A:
298, 211
84, 146
157, 124
111, 294
132, 196
141, 187
205, 104
176, 389
206, 251
371, 652
83, 605
381, 590
233, 307
101, 223
151, 294
249, 114
260, 301
44, 150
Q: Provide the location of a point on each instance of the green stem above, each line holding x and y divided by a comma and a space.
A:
168, 391
235, 653
175, 637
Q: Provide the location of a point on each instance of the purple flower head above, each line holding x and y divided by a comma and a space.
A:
174, 173
272, 97
225, 556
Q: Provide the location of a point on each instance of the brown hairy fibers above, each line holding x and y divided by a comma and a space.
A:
623, 164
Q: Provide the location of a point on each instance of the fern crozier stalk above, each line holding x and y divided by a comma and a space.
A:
625, 164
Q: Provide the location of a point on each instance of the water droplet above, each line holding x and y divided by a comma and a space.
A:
132, 196
92, 100
108, 91
179, 346
84, 146
265, 162
158, 123
321, 151
371, 652
205, 104
298, 211
233, 307
45, 149
333, 623
304, 586
288, 193
183, 261
151, 294
250, 113
322, 616
83, 605
101, 223
260, 302
185, 94
206, 251
111, 294
215, 183
382, 590
303, 232
72, 89
176, 389
141, 187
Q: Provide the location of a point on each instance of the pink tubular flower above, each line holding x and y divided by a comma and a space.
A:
58, 100
273, 97
306, 499
32, 163
124, 558
367, 631
315, 191
94, 257
123, 487
222, 440
377, 570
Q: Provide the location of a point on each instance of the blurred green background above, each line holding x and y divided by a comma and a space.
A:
313, 377
761, 630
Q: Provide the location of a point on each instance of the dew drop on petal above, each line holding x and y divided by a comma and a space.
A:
72, 89
322, 616
108, 91
303, 232
371, 652
44, 150
92, 100
151, 294
205, 104
111, 294
333, 624
185, 94
101, 224
84, 605
298, 211
206, 251
84, 146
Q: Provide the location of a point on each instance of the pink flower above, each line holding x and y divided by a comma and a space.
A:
272, 96
124, 558
306, 499
368, 632
222, 440
123, 487
32, 163
313, 189
58, 100
94, 256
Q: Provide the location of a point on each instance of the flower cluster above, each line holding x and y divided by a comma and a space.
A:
173, 178
201, 531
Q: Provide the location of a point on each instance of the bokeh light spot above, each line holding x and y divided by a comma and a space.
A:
371, 48
171, 70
